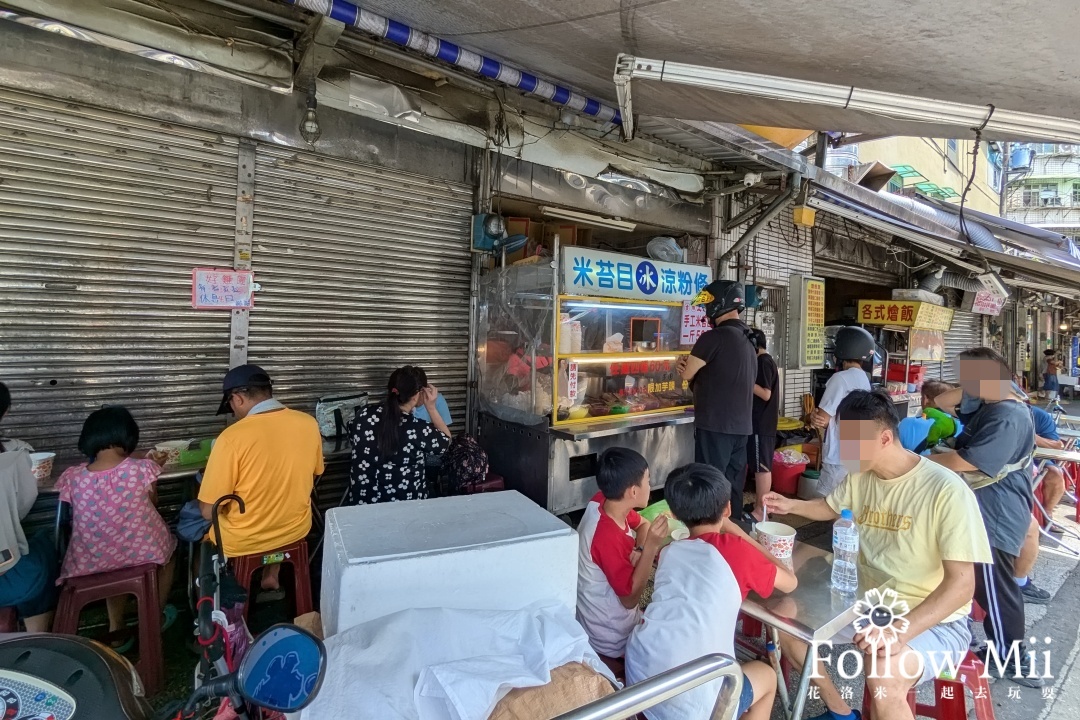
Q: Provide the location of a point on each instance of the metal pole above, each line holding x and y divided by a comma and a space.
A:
1003, 190
633, 699
821, 149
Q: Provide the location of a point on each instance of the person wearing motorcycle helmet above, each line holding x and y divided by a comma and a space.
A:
852, 347
721, 370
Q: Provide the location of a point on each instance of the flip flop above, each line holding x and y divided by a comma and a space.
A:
168, 617
124, 647
269, 596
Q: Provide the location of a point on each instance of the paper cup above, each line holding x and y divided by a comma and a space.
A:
42, 464
777, 538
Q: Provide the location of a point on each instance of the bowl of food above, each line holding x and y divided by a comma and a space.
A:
41, 464
168, 453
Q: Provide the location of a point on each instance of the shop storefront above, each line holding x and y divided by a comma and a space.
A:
578, 354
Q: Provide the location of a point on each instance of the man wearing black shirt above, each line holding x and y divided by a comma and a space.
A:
722, 368
759, 450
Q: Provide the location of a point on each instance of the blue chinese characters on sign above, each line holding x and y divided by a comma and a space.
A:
587, 271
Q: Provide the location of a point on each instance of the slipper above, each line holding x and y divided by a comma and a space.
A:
124, 647
269, 596
168, 617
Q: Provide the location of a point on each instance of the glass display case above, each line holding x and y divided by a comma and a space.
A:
617, 358
576, 354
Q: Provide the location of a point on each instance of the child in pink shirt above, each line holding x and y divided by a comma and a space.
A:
114, 521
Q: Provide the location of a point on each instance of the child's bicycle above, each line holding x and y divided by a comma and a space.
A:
238, 679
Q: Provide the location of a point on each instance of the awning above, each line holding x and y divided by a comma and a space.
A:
1059, 274
945, 50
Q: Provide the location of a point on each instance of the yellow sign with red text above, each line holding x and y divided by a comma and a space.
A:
907, 313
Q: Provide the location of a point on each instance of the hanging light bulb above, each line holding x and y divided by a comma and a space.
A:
309, 125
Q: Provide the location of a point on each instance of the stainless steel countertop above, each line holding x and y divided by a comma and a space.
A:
609, 426
813, 612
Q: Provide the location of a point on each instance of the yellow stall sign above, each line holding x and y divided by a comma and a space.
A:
907, 313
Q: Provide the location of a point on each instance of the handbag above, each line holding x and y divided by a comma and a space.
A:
334, 413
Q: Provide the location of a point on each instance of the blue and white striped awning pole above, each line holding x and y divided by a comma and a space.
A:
405, 36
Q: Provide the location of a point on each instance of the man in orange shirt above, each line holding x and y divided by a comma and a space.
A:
270, 457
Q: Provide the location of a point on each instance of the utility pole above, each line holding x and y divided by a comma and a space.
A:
1006, 162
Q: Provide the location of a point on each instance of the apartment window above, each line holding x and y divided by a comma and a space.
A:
1041, 195
896, 185
993, 175
1076, 194
952, 150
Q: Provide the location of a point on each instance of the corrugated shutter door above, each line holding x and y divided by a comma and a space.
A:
965, 333
362, 270
102, 218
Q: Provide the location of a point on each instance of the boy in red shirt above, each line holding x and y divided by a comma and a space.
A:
616, 552
699, 586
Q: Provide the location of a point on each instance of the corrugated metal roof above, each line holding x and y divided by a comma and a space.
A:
711, 141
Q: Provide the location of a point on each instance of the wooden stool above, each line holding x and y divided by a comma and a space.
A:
9, 620
140, 581
244, 568
949, 700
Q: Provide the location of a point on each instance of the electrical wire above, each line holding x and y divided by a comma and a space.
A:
970, 182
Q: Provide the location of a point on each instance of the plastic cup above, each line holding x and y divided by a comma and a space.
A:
777, 538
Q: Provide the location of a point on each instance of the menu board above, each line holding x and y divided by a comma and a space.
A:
694, 323
983, 302
806, 331
813, 347
217, 289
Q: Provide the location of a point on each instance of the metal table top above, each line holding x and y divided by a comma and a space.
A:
1053, 454
606, 427
1068, 432
1068, 418
813, 612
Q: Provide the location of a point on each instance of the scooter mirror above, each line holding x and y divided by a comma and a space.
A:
283, 669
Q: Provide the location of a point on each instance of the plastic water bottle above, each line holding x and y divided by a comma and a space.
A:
845, 546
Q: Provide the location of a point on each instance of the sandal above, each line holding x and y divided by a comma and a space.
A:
269, 596
124, 647
168, 617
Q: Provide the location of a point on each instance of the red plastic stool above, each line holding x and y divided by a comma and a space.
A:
244, 568
9, 620
949, 700
140, 581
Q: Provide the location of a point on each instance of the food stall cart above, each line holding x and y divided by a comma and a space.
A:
920, 327
576, 354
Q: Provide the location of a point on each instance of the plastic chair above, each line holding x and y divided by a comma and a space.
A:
140, 581
950, 702
244, 568
9, 620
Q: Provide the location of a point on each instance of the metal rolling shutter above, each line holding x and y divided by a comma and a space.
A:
361, 269
831, 269
102, 218
965, 333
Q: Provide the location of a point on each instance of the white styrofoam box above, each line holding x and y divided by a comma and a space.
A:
490, 551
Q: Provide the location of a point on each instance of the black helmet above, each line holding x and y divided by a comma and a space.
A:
853, 343
721, 296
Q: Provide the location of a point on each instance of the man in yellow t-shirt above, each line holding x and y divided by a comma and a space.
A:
270, 457
919, 523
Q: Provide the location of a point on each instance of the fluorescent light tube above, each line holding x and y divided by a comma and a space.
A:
586, 218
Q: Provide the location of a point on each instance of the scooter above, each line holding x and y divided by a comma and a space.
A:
64, 677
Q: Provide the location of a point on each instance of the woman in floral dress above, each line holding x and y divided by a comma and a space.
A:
389, 445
